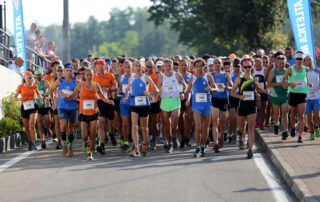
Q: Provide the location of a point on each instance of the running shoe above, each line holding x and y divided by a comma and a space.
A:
317, 132
225, 137
125, 147
276, 129
64, 151
170, 149
34, 147
43, 144
300, 139
229, 139
153, 143
175, 142
284, 135
249, 154
101, 149
241, 145
30, 146
134, 152
197, 153
113, 140
216, 148
144, 149
203, 152
69, 152
182, 143
84, 147
312, 136
293, 132
234, 139
188, 142
58, 146
90, 157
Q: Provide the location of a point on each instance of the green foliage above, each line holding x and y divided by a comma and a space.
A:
126, 32
215, 26
11, 122
8, 127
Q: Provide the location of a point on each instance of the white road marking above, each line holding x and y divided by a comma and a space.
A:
19, 158
278, 192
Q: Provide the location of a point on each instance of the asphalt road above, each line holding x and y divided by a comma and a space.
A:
228, 176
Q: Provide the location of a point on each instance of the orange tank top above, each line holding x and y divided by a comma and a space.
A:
88, 100
154, 78
27, 93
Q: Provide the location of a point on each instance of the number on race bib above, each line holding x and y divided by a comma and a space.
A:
169, 88
279, 78
220, 88
312, 94
67, 92
201, 97
28, 105
299, 84
88, 104
124, 88
140, 100
249, 95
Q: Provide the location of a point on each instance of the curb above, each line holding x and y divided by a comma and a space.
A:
297, 186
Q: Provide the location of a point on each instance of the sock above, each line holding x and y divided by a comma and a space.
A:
64, 139
70, 140
101, 144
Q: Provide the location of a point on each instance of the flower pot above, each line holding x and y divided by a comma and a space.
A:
18, 140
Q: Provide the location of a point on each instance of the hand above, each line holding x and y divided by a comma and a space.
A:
310, 85
182, 97
146, 93
64, 96
110, 102
242, 97
188, 103
292, 85
125, 100
221, 86
208, 89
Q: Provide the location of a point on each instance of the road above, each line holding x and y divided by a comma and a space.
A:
228, 176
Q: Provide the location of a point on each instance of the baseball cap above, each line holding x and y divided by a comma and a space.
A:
27, 74
68, 66
210, 61
159, 63
59, 67
38, 72
101, 62
299, 55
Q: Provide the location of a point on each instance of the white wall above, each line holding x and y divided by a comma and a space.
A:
9, 81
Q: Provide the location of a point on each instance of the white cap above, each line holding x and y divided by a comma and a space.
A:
299, 55
210, 61
159, 63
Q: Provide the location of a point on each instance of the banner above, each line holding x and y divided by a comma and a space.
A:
301, 23
19, 34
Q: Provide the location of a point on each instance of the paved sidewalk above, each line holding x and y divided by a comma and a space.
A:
299, 164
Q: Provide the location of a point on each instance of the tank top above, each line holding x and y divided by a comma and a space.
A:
137, 89
124, 84
43, 92
313, 92
28, 95
233, 79
200, 97
154, 78
170, 86
220, 79
300, 79
67, 88
278, 91
261, 76
88, 100
247, 88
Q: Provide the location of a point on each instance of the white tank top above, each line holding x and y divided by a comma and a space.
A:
313, 92
170, 86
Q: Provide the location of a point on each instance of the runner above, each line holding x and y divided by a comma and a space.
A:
279, 96
201, 84
170, 103
247, 105
139, 107
28, 91
107, 83
124, 106
234, 102
44, 107
298, 89
88, 109
313, 106
219, 103
67, 108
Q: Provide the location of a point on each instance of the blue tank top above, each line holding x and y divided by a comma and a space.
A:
199, 95
234, 77
124, 83
137, 89
222, 93
67, 88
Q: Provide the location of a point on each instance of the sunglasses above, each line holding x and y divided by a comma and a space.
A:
217, 63
236, 66
29, 77
59, 70
298, 58
81, 73
38, 75
280, 58
149, 66
247, 67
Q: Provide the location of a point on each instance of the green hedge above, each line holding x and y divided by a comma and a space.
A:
12, 122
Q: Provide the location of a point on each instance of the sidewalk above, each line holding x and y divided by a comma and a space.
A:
299, 164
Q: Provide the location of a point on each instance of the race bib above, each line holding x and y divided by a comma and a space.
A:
279, 78
201, 97
261, 84
220, 89
249, 95
67, 92
124, 88
41, 92
312, 94
169, 88
299, 84
88, 104
28, 105
140, 100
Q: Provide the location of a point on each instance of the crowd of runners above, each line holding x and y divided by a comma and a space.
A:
180, 101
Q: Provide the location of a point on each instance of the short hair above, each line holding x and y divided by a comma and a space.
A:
200, 60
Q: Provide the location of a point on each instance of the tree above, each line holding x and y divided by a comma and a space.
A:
219, 27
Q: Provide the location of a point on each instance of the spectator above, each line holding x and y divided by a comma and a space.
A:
40, 41
31, 36
50, 52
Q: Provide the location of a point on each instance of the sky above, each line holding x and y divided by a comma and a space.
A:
46, 12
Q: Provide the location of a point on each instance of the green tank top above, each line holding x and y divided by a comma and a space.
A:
278, 91
300, 79
43, 92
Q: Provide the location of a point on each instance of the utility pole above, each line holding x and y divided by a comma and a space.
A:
66, 32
